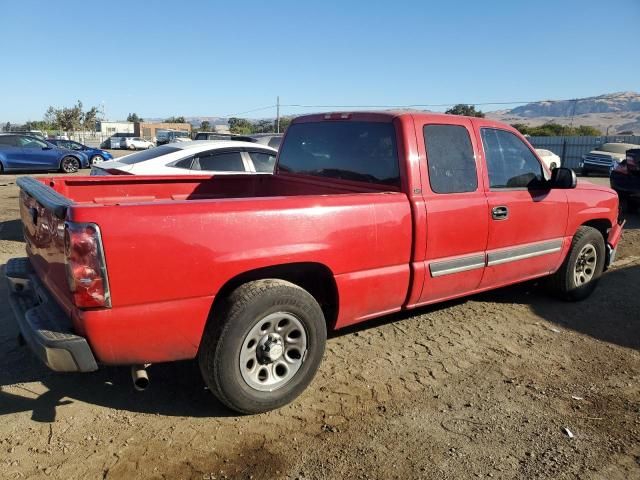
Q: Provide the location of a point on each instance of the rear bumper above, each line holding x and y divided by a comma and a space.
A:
44, 326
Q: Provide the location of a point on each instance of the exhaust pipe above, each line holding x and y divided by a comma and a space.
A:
140, 377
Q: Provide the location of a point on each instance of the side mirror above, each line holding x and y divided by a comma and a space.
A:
563, 178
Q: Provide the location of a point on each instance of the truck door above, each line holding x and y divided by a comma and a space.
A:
457, 220
527, 221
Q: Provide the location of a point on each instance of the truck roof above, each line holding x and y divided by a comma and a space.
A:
389, 115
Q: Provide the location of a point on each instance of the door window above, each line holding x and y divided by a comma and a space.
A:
222, 162
264, 162
452, 164
510, 163
8, 140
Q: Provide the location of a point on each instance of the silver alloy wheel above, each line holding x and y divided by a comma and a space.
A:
585, 265
96, 159
69, 165
273, 351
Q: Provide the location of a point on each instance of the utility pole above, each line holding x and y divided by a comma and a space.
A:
278, 114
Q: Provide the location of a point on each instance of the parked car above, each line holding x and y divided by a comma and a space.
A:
115, 141
96, 155
366, 214
271, 139
171, 136
136, 143
550, 159
222, 136
23, 152
625, 179
194, 158
605, 158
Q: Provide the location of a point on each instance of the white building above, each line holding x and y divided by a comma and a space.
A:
110, 128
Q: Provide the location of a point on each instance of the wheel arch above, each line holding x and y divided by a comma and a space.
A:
602, 225
315, 278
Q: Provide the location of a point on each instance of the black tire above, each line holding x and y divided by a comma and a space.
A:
69, 165
1, 169
231, 325
563, 283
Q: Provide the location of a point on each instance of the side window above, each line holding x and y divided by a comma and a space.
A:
263, 162
452, 164
510, 163
275, 142
221, 162
184, 163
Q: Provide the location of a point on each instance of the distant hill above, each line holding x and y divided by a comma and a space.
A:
616, 112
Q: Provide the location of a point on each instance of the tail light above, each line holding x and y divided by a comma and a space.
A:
86, 269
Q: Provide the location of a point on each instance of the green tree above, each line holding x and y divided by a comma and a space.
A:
284, 123
553, 129
466, 110
205, 126
175, 120
133, 117
89, 119
240, 126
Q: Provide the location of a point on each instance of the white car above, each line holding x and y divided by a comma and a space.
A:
550, 159
136, 143
194, 158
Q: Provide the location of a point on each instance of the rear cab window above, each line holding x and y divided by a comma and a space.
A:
450, 159
348, 150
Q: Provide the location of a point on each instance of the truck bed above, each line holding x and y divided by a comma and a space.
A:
119, 189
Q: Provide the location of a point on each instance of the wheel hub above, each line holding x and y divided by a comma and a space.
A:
270, 348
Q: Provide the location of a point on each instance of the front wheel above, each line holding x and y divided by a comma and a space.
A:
263, 347
581, 270
69, 165
96, 159
132, 147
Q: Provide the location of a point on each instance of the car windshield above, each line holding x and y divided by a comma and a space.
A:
359, 151
148, 154
616, 147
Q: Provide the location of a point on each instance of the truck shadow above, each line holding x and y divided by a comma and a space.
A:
181, 392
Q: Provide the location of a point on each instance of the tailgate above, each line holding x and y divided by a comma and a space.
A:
43, 212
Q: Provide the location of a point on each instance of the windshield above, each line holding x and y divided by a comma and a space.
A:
147, 154
360, 151
616, 147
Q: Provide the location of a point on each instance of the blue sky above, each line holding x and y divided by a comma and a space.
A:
213, 58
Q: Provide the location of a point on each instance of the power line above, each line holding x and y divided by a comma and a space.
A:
248, 111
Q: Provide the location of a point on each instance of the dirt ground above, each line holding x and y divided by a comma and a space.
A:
482, 387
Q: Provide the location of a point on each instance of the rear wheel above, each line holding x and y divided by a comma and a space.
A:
581, 270
69, 165
263, 347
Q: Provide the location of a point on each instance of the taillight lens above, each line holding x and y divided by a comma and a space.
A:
86, 270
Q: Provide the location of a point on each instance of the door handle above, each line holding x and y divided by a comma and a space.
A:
500, 213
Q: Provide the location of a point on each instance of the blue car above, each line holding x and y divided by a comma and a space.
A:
24, 152
95, 155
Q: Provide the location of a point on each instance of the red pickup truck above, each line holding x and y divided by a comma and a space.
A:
366, 214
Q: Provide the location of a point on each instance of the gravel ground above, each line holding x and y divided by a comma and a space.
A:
481, 387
